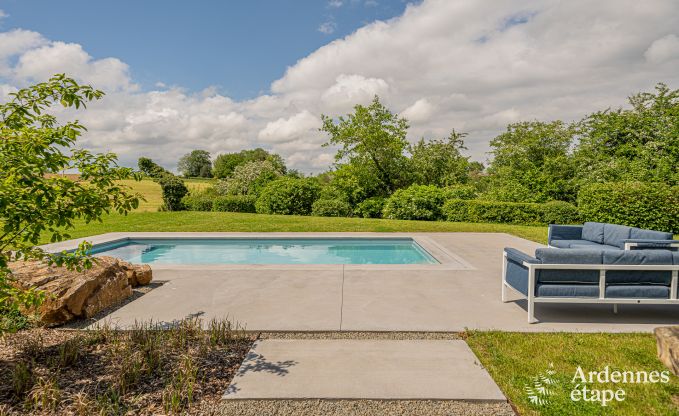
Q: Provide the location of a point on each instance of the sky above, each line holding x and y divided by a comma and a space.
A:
230, 75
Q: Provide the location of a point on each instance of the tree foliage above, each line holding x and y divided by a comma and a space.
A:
34, 198
173, 190
195, 164
440, 162
373, 141
249, 178
226, 163
150, 168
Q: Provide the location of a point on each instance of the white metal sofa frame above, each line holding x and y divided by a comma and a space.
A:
532, 299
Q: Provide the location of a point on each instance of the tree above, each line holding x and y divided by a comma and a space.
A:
173, 189
150, 168
373, 141
440, 162
195, 164
531, 163
637, 144
226, 163
249, 178
34, 199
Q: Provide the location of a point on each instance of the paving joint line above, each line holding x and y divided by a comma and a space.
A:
342, 301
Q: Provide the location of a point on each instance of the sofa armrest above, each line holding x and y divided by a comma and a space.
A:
643, 243
564, 232
519, 257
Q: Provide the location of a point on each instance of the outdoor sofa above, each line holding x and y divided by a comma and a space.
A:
591, 275
608, 236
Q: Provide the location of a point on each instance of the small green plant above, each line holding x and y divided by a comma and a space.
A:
69, 352
22, 379
178, 395
45, 394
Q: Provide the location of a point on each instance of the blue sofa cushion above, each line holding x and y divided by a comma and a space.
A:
593, 231
638, 257
571, 291
595, 246
615, 235
570, 243
639, 234
638, 291
568, 256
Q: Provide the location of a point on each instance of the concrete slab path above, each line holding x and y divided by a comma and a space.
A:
362, 369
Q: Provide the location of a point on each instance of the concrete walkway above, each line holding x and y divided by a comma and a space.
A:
462, 292
363, 369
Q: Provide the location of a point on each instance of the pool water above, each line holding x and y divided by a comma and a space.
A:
268, 251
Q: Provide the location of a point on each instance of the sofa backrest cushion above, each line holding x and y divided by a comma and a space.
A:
675, 258
615, 235
593, 231
638, 257
568, 256
640, 234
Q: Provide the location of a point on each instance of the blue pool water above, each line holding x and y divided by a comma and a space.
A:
268, 251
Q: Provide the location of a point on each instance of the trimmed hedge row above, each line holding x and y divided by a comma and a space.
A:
334, 207
460, 210
637, 204
423, 202
228, 203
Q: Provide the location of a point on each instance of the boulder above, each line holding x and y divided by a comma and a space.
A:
667, 338
72, 294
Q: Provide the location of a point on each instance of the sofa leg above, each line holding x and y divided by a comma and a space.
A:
531, 313
615, 308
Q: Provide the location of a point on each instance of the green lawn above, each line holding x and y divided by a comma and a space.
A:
229, 221
512, 359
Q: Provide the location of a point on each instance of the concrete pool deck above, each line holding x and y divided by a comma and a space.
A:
463, 292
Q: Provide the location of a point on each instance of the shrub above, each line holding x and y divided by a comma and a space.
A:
418, 202
199, 202
288, 196
559, 212
645, 205
249, 178
460, 192
234, 203
331, 208
371, 207
492, 211
174, 190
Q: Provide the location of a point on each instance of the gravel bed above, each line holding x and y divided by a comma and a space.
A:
362, 335
354, 407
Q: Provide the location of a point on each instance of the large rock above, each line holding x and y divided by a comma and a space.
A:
667, 338
72, 294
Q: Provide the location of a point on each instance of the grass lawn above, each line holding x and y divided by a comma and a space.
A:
512, 359
231, 221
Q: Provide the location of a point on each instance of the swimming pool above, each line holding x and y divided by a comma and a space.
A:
267, 251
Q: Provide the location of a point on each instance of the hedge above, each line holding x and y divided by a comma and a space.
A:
173, 190
417, 202
509, 212
198, 202
370, 208
288, 196
638, 204
234, 203
331, 208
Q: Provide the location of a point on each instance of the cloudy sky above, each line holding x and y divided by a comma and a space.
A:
225, 76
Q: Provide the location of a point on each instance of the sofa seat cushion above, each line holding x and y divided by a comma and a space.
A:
615, 235
639, 234
596, 247
570, 291
570, 243
638, 257
593, 231
638, 291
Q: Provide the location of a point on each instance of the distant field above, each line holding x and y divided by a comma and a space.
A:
152, 193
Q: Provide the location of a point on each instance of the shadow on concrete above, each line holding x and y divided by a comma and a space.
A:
603, 313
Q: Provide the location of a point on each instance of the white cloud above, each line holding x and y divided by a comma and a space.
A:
444, 64
287, 129
335, 3
420, 111
663, 49
328, 27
